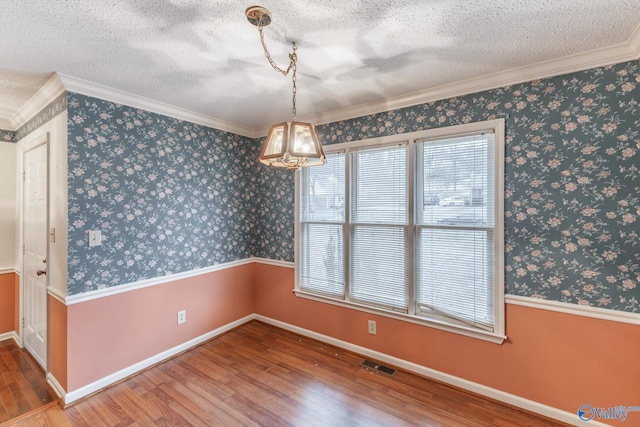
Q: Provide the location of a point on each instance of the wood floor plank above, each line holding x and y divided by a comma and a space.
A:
260, 375
84, 419
51, 417
163, 414
224, 406
127, 401
9, 405
109, 412
8, 370
23, 387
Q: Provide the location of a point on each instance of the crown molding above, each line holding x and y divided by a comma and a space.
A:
84, 87
634, 42
627, 51
5, 118
50, 90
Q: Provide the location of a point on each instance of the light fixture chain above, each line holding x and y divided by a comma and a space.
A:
292, 145
294, 63
268, 55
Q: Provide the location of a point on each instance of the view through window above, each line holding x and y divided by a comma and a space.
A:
409, 225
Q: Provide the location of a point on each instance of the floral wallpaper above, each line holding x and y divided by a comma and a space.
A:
171, 196
7, 136
167, 195
274, 212
572, 202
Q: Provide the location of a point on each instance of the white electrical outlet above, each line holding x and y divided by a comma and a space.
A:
372, 327
182, 317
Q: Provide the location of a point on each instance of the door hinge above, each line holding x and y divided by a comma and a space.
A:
24, 176
24, 249
23, 323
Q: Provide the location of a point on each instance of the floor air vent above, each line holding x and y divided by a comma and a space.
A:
378, 367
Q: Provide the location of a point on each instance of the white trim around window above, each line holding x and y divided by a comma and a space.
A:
410, 227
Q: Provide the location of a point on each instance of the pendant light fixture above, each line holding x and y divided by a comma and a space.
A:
291, 144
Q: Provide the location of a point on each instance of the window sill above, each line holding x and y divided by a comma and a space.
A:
431, 323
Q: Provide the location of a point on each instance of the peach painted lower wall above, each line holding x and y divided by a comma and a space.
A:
58, 341
16, 306
112, 333
8, 298
556, 359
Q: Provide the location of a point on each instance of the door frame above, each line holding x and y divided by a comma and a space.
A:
27, 144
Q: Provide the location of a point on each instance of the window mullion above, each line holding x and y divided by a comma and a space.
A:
347, 225
297, 259
411, 228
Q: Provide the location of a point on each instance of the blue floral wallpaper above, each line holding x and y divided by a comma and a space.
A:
168, 195
171, 196
275, 212
572, 202
7, 136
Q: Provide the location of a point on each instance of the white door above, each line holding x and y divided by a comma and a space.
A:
35, 253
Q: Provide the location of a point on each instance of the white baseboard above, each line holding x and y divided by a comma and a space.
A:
501, 396
55, 385
508, 398
98, 385
11, 335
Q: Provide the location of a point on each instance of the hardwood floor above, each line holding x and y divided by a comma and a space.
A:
23, 387
261, 375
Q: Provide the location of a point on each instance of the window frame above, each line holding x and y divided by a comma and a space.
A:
497, 127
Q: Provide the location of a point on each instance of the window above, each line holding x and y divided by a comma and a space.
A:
408, 226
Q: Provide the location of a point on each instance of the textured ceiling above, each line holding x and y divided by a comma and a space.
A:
205, 57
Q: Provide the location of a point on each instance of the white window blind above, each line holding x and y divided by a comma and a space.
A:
454, 244
379, 185
322, 214
410, 227
378, 266
379, 212
454, 276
